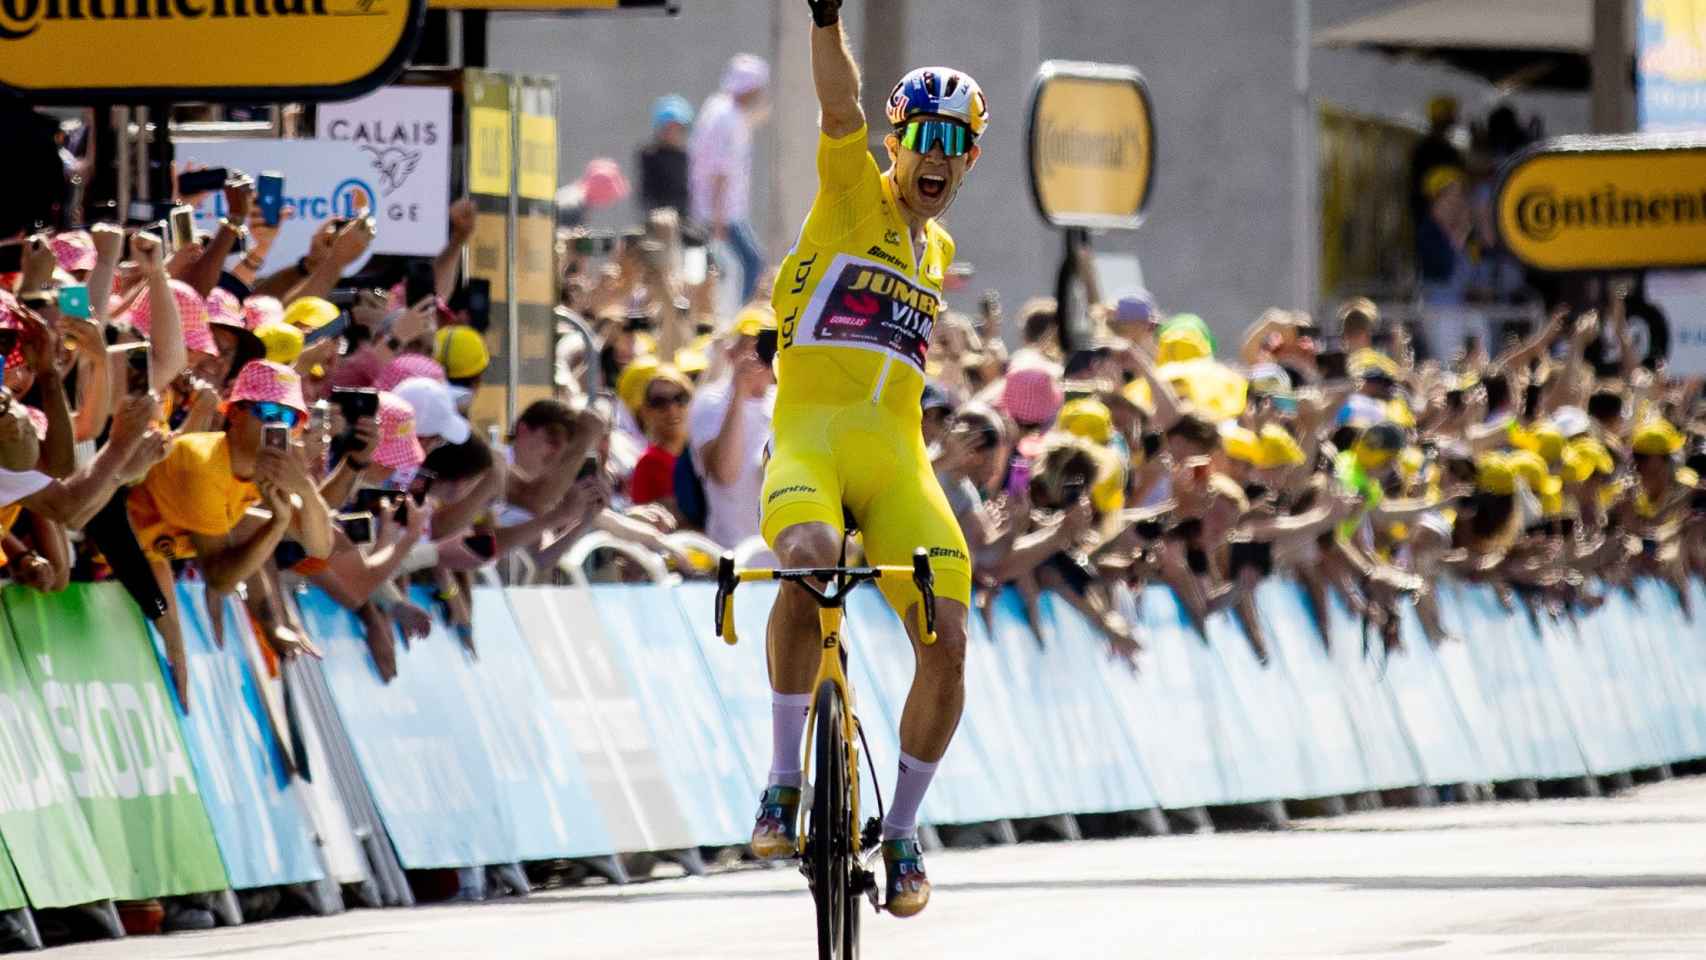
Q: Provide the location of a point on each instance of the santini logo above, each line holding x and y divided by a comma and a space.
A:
886, 256
1543, 212
21, 18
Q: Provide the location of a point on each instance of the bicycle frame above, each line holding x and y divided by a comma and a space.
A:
832, 667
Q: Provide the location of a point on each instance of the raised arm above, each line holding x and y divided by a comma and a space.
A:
833, 72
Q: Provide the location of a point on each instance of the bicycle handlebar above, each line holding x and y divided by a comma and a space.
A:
845, 579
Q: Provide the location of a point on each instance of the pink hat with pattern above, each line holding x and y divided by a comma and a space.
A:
192, 314
74, 249
260, 309
263, 381
10, 319
409, 365
1032, 396
398, 448
222, 307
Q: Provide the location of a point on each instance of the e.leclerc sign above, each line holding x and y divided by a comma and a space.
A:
133, 51
1091, 145
1606, 203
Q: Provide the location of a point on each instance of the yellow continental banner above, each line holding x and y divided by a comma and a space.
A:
1606, 203
1092, 145
488, 151
140, 50
538, 168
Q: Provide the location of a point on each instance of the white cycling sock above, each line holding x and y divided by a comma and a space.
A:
787, 724
909, 787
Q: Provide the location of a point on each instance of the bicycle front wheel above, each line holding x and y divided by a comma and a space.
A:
830, 844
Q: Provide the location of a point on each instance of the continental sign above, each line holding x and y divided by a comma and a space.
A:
1606, 203
1092, 145
84, 51
565, 6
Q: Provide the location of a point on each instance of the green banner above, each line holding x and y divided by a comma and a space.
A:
115, 724
40, 818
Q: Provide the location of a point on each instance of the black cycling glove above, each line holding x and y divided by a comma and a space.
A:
825, 12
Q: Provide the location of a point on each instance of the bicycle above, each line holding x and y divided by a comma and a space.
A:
834, 852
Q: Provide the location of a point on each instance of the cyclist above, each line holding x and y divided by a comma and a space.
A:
855, 301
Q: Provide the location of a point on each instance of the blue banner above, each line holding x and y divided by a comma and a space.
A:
1333, 755
1670, 65
1360, 660
1173, 717
1421, 693
258, 819
653, 645
423, 759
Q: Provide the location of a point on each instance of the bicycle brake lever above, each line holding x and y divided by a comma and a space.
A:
925, 580
726, 583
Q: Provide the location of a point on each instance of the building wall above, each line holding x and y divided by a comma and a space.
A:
1235, 162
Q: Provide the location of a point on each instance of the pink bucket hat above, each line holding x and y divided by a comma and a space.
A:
192, 313
222, 307
261, 309
74, 250
398, 448
263, 381
1032, 396
602, 183
409, 365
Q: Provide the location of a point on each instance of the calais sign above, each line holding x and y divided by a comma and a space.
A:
79, 51
322, 180
1091, 145
1606, 203
404, 132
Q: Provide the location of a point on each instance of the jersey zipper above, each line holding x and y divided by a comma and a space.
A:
882, 379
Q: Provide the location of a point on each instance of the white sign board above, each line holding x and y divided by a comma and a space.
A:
1681, 297
322, 180
405, 134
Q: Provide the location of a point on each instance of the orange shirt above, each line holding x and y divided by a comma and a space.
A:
191, 491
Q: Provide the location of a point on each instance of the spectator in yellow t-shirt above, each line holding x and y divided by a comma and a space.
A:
197, 501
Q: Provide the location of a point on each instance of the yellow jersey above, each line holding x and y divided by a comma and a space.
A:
855, 300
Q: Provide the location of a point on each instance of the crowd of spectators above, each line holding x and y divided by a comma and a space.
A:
171, 413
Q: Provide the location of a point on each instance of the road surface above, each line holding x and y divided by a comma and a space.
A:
1619, 877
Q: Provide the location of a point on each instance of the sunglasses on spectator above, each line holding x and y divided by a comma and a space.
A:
922, 136
658, 401
268, 412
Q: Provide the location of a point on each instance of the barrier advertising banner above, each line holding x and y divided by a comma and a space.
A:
115, 723
40, 819
245, 780
421, 757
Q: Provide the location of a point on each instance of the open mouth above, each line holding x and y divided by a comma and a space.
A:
932, 187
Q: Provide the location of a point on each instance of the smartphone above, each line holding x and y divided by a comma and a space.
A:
694, 264
1151, 445
276, 436
765, 346
589, 469
480, 303
320, 416
1018, 476
355, 402
333, 329
344, 297
374, 501
202, 181
357, 526
640, 322
137, 371
483, 545
1331, 363
421, 485
74, 301
269, 196
1150, 529
419, 283
182, 222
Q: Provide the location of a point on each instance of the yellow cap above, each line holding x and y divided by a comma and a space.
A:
1241, 444
1493, 474
632, 382
1656, 438
696, 356
282, 340
461, 351
1088, 418
750, 321
1107, 491
1545, 439
1527, 465
1399, 413
1410, 461
310, 313
1182, 342
1279, 449
1139, 394
1438, 179
1369, 362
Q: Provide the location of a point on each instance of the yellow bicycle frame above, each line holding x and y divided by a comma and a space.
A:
829, 619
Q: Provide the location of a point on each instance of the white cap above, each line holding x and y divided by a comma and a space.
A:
1571, 422
745, 73
435, 409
